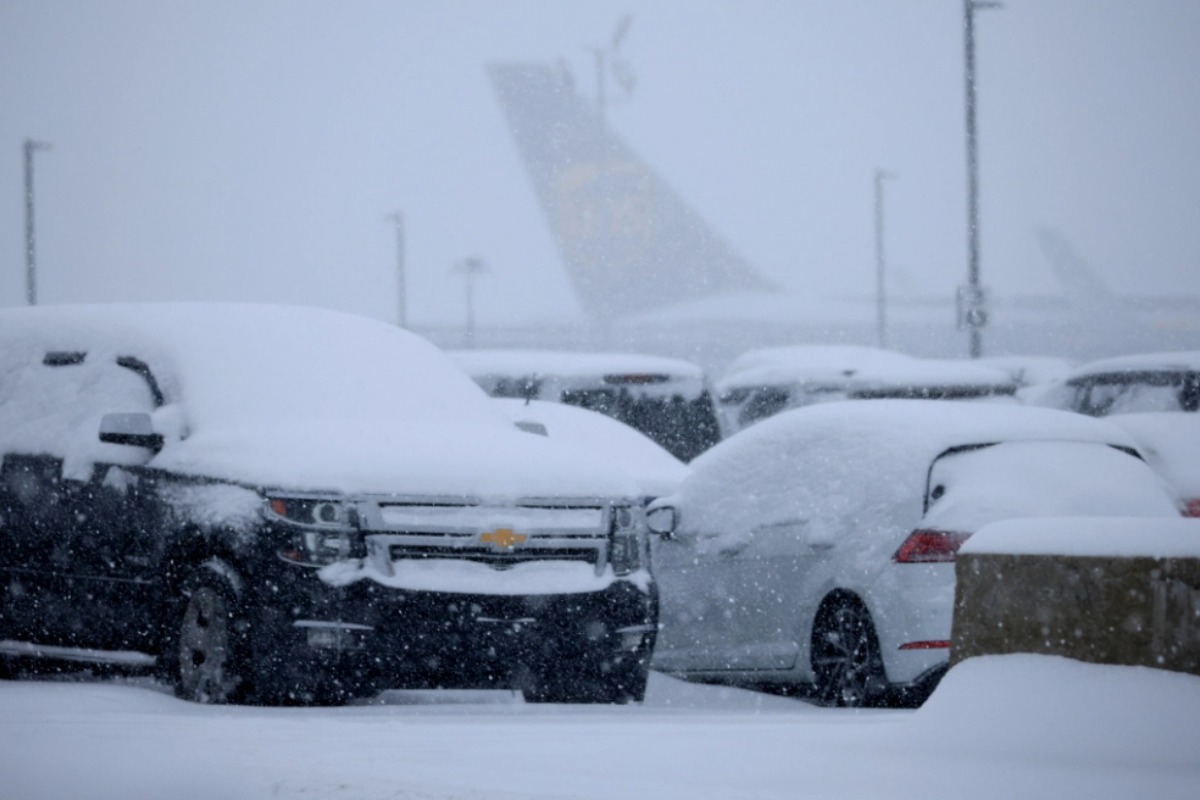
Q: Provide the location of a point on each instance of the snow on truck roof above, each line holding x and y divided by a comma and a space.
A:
277, 395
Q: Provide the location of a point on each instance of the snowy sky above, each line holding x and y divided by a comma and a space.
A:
251, 150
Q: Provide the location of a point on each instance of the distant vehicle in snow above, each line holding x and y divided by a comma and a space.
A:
1126, 385
815, 550
600, 437
1030, 370
282, 505
1170, 443
668, 399
765, 381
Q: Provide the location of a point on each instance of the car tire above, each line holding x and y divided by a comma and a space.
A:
207, 655
846, 660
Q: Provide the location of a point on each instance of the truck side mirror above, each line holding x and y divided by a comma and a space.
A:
530, 426
663, 520
134, 429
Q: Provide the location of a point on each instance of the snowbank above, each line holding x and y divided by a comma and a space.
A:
997, 728
1089, 536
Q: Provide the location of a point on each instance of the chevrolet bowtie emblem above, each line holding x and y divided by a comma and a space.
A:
502, 538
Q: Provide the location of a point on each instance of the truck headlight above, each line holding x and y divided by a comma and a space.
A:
324, 530
310, 511
627, 548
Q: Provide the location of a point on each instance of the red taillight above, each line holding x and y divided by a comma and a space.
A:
928, 547
1192, 509
931, 644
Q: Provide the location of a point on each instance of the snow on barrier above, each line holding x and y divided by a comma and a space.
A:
1103, 590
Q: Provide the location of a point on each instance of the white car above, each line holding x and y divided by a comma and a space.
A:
765, 381
1126, 385
815, 549
1170, 442
1030, 370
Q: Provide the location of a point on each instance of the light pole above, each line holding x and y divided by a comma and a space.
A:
880, 263
30, 239
401, 302
972, 301
620, 68
471, 268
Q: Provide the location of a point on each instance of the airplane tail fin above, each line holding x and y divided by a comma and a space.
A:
627, 240
1076, 276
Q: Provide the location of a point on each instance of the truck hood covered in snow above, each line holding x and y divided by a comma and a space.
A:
279, 396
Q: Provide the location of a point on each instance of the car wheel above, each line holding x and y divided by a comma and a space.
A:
846, 659
207, 652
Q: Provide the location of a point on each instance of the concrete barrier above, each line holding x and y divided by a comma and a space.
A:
1103, 590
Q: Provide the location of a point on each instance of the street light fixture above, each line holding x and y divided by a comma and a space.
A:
401, 300
471, 268
972, 299
621, 70
30, 240
880, 263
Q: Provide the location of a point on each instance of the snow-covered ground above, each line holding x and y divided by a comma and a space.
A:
1019, 726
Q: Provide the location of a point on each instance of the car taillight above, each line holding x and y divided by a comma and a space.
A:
1192, 509
927, 644
926, 546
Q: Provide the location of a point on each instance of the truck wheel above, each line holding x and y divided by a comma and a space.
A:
208, 652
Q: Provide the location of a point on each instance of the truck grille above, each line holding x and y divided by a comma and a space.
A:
497, 560
498, 536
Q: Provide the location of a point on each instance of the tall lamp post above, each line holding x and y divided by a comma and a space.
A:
880, 263
471, 268
401, 299
620, 67
972, 300
30, 240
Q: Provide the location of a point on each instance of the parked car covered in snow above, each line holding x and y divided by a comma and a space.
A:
1030, 370
667, 399
276, 505
1170, 443
1127, 385
815, 550
601, 438
765, 381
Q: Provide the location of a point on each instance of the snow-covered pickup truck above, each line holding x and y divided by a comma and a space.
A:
281, 505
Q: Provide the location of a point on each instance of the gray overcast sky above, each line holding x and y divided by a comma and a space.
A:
250, 150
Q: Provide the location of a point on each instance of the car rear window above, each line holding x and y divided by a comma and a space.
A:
1138, 392
972, 486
